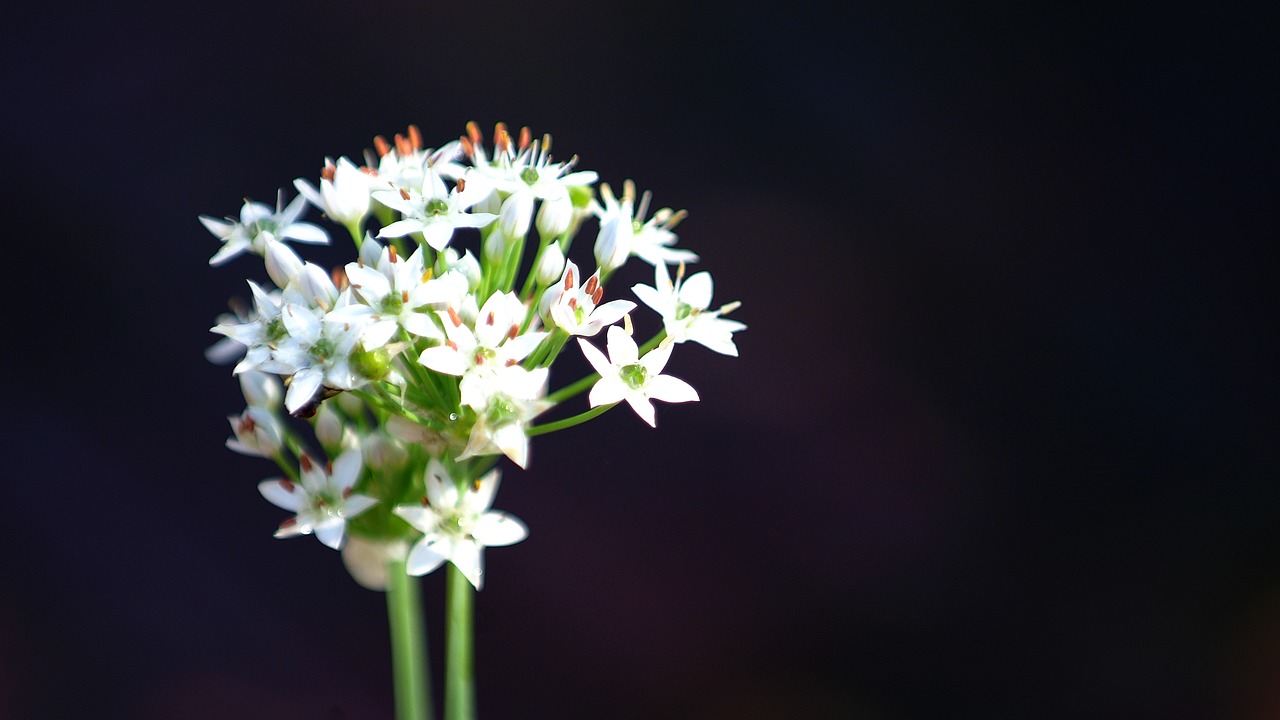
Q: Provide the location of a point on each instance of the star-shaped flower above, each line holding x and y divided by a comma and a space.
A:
683, 307
322, 499
258, 224
624, 234
577, 310
433, 211
627, 376
343, 194
457, 524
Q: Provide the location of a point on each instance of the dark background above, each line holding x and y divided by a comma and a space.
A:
1001, 442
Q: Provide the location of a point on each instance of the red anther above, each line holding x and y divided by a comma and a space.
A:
599, 294
568, 279
525, 137
425, 501
467, 147
451, 345
513, 332
346, 327
473, 132
462, 184
326, 173
573, 303
328, 468
247, 424
590, 288
453, 317
475, 486
287, 484
339, 277
404, 194
391, 251
404, 297
403, 146
288, 523
479, 358
511, 363
346, 493
381, 145
415, 137
501, 138
305, 462
489, 320
368, 170
321, 501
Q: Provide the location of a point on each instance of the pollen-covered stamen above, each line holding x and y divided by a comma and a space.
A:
327, 172
473, 133
525, 137
288, 523
729, 307
599, 293
489, 320
467, 148
415, 137
454, 317
404, 297
501, 138
573, 303
425, 501
512, 363
346, 493
391, 253
568, 279
643, 207
427, 275
403, 146
462, 184
381, 145
451, 345
475, 485
305, 462
287, 484
513, 332
404, 194
590, 287
680, 272
328, 468
339, 276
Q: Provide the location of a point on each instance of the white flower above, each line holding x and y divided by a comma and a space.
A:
257, 224
683, 307
344, 191
495, 342
322, 499
257, 432
576, 310
626, 376
508, 398
435, 214
396, 290
458, 525
623, 234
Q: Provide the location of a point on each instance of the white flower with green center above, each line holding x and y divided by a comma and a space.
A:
476, 352
577, 309
432, 211
506, 400
259, 333
638, 380
397, 292
684, 305
624, 234
323, 351
457, 524
322, 498
258, 224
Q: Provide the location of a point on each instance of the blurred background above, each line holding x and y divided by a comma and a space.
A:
1001, 439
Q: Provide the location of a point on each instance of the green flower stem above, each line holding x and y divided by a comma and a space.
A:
460, 680
569, 391
357, 233
408, 645
569, 421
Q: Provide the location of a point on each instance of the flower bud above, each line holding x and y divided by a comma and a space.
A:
382, 452
516, 212
554, 217
370, 251
283, 264
613, 243
328, 428
261, 389
316, 286
469, 266
366, 559
494, 247
549, 299
551, 265
346, 197
370, 364
257, 433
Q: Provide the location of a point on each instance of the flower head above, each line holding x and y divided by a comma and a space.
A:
684, 305
258, 224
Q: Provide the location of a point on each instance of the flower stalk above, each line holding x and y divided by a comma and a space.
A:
409, 665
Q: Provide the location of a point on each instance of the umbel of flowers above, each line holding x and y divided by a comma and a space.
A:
387, 390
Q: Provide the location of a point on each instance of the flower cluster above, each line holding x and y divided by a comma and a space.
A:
428, 357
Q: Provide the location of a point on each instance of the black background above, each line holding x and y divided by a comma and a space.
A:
1001, 442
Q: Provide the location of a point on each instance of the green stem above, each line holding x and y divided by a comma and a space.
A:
569, 391
408, 645
460, 680
568, 422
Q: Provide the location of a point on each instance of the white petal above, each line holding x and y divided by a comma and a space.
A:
597, 359
346, 470
356, 504
622, 349
427, 554
442, 491
400, 228
670, 389
423, 519
302, 388
696, 290
496, 529
656, 359
467, 557
307, 233
643, 408
476, 501
607, 391
331, 533
281, 495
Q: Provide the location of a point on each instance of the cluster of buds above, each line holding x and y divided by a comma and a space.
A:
420, 363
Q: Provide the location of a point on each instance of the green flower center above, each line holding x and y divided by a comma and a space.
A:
634, 375
529, 176
371, 364
684, 310
392, 304
322, 349
436, 206
502, 411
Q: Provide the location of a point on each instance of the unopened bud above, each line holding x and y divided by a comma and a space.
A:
283, 264
554, 217
551, 265
613, 243
515, 215
383, 453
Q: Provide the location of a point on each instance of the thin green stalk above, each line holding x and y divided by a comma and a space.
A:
569, 391
408, 645
569, 421
460, 680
